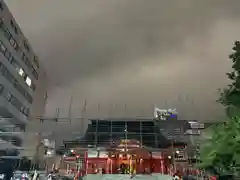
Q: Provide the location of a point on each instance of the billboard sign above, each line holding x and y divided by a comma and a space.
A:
165, 114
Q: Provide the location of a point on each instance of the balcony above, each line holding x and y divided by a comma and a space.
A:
10, 111
6, 145
9, 87
11, 134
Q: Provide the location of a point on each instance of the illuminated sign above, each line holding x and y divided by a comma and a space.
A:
165, 114
129, 143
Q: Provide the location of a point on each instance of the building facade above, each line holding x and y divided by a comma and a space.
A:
176, 140
165, 138
23, 87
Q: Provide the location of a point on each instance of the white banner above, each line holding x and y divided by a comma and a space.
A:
92, 154
103, 154
157, 155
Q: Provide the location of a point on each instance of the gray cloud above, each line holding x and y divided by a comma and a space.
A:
139, 52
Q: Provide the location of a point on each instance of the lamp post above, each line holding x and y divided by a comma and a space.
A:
173, 155
125, 130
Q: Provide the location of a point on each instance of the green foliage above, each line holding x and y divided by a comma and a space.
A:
230, 96
221, 154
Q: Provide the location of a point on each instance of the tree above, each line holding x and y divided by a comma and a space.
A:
230, 96
221, 154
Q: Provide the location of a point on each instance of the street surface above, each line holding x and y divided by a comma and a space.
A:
126, 177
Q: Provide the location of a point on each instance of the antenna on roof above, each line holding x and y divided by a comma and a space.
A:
56, 114
166, 104
84, 115
70, 109
125, 110
98, 109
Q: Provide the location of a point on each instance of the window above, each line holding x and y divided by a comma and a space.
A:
16, 141
16, 103
1, 6
25, 111
16, 30
28, 97
26, 46
2, 48
1, 88
1, 22
7, 34
15, 46
4, 51
12, 23
9, 96
21, 72
28, 81
4, 71
6, 74
17, 66
23, 56
13, 43
8, 55
35, 74
33, 87
26, 60
35, 60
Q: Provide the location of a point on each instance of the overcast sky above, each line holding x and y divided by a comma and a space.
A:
138, 52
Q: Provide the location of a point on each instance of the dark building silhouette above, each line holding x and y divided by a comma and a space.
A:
151, 133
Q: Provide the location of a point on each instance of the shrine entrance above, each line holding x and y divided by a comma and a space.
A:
128, 157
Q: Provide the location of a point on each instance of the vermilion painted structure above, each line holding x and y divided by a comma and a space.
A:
129, 152
141, 145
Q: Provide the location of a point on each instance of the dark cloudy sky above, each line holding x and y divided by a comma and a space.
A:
138, 52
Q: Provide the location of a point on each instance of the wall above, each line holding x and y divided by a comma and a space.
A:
37, 110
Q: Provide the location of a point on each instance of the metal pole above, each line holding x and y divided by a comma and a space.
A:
141, 139
111, 131
155, 134
70, 109
96, 134
125, 136
173, 155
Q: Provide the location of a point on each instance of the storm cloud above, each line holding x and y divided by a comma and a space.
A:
136, 52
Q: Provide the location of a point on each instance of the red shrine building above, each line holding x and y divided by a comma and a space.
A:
140, 145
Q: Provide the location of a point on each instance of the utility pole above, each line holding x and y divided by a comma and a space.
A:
126, 131
173, 155
141, 138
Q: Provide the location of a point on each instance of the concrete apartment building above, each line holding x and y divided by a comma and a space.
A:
23, 87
